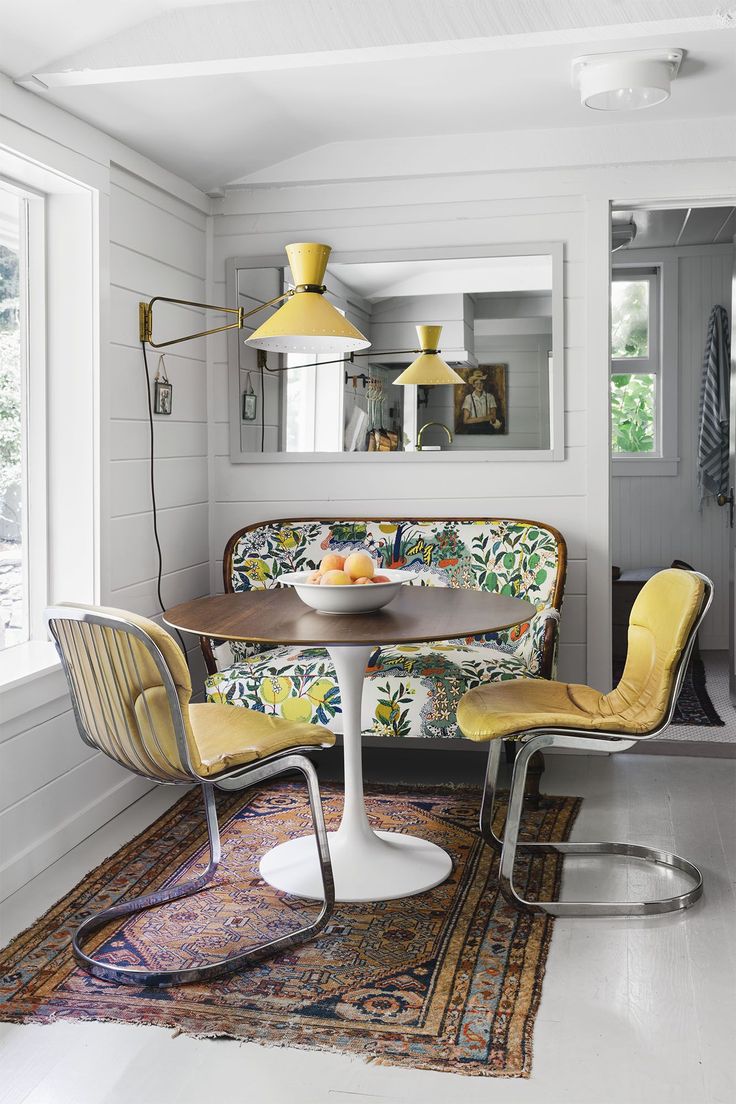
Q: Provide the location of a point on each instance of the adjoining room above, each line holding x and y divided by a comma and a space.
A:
367, 554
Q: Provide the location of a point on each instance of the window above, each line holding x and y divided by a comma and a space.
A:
13, 444
636, 423
50, 345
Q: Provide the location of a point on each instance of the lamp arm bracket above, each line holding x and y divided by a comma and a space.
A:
351, 357
145, 317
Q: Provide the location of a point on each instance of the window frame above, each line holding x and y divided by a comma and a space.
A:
662, 362
650, 365
34, 465
66, 331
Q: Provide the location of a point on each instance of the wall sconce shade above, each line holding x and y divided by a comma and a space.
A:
307, 322
429, 369
626, 81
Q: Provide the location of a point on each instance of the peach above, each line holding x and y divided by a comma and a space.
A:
361, 582
380, 579
335, 578
332, 562
359, 565
313, 577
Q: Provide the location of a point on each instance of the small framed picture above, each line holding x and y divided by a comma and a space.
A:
250, 402
162, 399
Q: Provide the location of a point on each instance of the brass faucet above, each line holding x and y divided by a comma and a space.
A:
426, 426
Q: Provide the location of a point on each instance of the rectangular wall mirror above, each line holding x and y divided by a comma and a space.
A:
501, 312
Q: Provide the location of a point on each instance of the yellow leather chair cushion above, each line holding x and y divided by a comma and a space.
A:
220, 736
659, 627
227, 736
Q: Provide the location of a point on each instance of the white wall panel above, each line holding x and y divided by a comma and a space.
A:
180, 481
183, 532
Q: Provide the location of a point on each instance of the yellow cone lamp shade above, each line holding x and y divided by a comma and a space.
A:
429, 369
307, 322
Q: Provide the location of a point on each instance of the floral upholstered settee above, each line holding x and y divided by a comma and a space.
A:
411, 690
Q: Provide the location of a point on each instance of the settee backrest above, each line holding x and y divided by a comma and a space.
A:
505, 555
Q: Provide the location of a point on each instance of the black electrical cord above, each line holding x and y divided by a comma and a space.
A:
261, 365
153, 499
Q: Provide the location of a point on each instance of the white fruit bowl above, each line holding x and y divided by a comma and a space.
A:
365, 598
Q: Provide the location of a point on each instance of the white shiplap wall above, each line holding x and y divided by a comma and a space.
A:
656, 519
54, 790
156, 243
383, 215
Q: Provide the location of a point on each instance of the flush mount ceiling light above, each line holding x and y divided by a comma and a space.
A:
626, 81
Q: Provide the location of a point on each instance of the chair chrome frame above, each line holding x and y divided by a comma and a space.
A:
549, 739
98, 647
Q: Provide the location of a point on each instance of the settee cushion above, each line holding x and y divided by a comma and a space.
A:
411, 690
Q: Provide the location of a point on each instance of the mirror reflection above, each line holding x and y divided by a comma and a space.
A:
496, 315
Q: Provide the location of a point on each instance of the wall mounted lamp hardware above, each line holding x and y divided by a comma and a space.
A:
626, 81
306, 321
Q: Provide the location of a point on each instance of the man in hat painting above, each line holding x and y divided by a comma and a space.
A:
479, 410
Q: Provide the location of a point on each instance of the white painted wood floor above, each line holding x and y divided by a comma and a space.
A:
632, 1011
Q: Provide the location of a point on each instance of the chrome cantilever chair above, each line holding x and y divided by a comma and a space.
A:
546, 715
130, 689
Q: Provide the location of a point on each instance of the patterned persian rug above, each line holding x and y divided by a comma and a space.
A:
448, 980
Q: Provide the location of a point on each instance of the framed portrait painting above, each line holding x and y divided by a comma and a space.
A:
480, 404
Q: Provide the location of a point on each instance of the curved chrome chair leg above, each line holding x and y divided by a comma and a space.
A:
511, 842
131, 975
488, 799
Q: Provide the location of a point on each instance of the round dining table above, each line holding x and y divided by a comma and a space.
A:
367, 865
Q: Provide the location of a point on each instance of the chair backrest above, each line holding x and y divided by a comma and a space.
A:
663, 624
130, 689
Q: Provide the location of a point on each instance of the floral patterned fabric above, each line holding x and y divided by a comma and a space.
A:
411, 690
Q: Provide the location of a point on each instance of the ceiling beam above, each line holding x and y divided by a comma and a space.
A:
239, 38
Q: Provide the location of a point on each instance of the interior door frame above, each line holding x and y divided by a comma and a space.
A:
683, 199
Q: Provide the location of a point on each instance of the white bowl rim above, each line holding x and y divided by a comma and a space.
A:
298, 578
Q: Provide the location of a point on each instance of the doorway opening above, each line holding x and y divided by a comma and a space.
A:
671, 268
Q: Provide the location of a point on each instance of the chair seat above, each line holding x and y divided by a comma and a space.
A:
227, 738
497, 712
411, 690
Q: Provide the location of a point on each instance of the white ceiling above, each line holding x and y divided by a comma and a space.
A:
470, 276
219, 92
657, 229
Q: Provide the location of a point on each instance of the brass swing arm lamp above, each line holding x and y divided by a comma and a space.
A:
306, 322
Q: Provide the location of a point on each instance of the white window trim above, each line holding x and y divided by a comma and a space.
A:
665, 461
34, 490
63, 418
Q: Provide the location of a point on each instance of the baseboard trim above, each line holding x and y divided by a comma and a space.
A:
33, 860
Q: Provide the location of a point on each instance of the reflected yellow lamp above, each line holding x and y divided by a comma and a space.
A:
307, 322
429, 369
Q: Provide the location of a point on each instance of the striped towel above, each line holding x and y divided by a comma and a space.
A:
714, 408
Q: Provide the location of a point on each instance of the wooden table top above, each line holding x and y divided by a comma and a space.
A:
416, 615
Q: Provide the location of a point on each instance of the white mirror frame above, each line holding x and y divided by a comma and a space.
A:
556, 451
